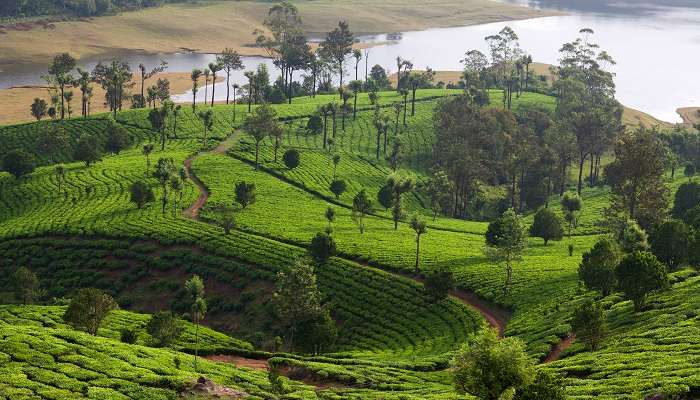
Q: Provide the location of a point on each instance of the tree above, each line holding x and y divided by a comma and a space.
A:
639, 274
84, 84
297, 298
689, 171
194, 288
148, 74
361, 206
207, 118
687, 197
439, 284
140, 194
399, 186
632, 237
158, 118
213, 68
322, 247
381, 124
196, 74
317, 334
245, 193
330, 217
146, 151
419, 227
336, 161
505, 242
230, 60
26, 285
597, 268
571, 205
259, 124
117, 137
385, 196
636, 177
546, 225
114, 79
60, 172
18, 163
291, 158
228, 222
39, 108
337, 46
164, 171
338, 187
670, 242
589, 323
355, 88
53, 141
59, 75
487, 367
88, 308
419, 80
439, 190
546, 386
88, 149
165, 328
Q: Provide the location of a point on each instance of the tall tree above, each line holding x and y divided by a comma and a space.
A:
357, 55
207, 118
194, 76
636, 177
60, 75
114, 78
505, 50
164, 171
361, 206
149, 73
639, 274
26, 285
259, 124
337, 46
214, 68
194, 287
230, 60
419, 227
39, 108
505, 242
88, 308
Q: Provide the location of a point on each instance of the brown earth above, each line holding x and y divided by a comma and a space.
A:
690, 115
15, 102
558, 349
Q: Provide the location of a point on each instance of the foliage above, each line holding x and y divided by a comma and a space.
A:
322, 247
505, 242
26, 285
546, 386
632, 237
361, 206
487, 366
140, 194
571, 204
88, 150
18, 163
245, 194
670, 243
597, 268
687, 197
589, 323
639, 274
546, 225
117, 137
439, 284
338, 187
88, 308
165, 328
291, 158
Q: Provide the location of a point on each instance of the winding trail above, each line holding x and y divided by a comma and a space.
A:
495, 316
558, 349
193, 211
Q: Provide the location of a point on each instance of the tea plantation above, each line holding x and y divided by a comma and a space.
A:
394, 342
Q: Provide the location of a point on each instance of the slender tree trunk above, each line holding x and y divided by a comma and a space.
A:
325, 129
206, 90
379, 136
417, 254
196, 343
213, 87
581, 163
405, 108
413, 102
354, 107
228, 87
591, 178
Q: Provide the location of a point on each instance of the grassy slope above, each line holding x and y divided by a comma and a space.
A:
545, 287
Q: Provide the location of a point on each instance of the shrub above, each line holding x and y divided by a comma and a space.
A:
18, 163
385, 196
291, 158
245, 194
687, 197
639, 274
164, 327
128, 335
117, 137
88, 149
546, 386
439, 284
589, 323
547, 226
140, 194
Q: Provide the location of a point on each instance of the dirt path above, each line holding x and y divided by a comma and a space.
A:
193, 211
496, 317
240, 361
559, 348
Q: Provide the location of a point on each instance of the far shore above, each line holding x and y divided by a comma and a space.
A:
209, 26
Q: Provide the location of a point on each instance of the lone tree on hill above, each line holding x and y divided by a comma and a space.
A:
140, 194
419, 227
330, 217
259, 124
228, 221
164, 171
245, 193
639, 274
489, 367
194, 76
361, 206
546, 225
88, 149
322, 247
589, 323
338, 187
194, 288
165, 328
505, 242
439, 190
88, 308
18, 163
597, 268
571, 205
26, 285
207, 118
59, 75
291, 158
147, 150
230, 60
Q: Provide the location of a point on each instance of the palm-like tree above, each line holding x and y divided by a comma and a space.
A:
207, 118
195, 289
236, 87
251, 76
357, 54
147, 150
214, 68
418, 226
196, 74
206, 84
404, 93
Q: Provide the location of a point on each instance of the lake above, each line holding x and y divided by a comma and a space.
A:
656, 45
